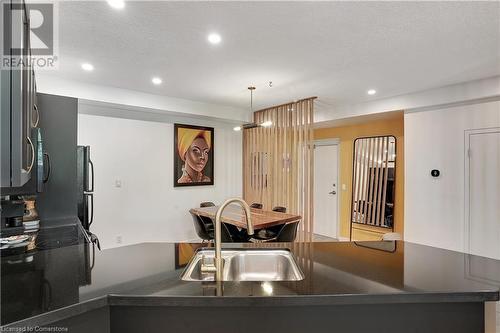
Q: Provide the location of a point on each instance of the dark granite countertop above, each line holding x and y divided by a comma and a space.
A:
76, 278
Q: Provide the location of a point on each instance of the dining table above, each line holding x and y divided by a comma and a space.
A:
235, 215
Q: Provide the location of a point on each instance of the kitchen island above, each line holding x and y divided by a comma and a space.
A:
347, 286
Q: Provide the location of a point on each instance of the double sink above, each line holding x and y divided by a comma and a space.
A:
246, 265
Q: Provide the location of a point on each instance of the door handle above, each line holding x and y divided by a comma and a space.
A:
35, 124
49, 168
32, 154
332, 192
90, 209
91, 189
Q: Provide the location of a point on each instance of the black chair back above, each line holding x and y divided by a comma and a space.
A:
200, 227
208, 222
279, 209
204, 227
239, 236
207, 204
226, 235
288, 233
256, 205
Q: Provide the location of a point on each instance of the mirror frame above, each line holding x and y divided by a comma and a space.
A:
389, 229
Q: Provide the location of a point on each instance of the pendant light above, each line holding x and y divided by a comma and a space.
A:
251, 88
252, 125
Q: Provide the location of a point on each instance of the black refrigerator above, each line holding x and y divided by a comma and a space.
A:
85, 183
65, 205
85, 192
57, 204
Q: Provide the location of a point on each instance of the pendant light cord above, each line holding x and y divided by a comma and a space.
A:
251, 97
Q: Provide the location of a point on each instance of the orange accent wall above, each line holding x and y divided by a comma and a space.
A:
347, 135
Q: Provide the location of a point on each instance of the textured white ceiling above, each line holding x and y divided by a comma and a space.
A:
334, 50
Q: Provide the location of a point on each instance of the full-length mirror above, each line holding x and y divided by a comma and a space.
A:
374, 166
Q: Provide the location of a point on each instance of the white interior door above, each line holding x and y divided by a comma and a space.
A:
326, 190
484, 194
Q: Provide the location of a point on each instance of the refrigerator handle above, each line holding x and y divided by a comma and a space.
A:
91, 189
90, 209
49, 168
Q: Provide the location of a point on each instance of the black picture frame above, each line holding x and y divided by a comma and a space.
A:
209, 169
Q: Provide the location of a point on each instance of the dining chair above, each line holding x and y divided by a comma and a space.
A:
273, 231
256, 205
206, 204
287, 233
237, 235
201, 229
205, 230
279, 209
225, 235
208, 222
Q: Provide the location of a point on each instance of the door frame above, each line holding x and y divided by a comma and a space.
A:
332, 142
467, 135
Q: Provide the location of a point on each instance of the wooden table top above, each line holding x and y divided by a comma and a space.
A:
234, 214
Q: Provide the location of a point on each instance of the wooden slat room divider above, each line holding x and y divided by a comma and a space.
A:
278, 161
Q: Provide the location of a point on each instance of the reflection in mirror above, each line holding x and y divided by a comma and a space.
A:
373, 181
184, 252
386, 246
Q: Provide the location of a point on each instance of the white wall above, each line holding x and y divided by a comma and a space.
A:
140, 153
434, 207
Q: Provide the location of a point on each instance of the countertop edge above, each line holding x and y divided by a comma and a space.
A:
61, 313
231, 301
304, 300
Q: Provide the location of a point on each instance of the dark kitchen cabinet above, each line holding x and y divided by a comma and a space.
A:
19, 114
60, 125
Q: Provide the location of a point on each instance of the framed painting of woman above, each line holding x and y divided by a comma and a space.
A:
193, 155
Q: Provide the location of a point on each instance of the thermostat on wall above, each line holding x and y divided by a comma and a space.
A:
435, 173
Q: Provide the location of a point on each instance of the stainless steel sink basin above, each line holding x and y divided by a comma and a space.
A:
247, 265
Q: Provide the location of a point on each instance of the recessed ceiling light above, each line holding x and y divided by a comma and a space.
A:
156, 80
237, 128
116, 4
371, 92
87, 67
214, 38
267, 124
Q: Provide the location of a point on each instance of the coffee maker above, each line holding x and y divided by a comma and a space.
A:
11, 212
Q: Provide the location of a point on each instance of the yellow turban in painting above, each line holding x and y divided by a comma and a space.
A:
186, 136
